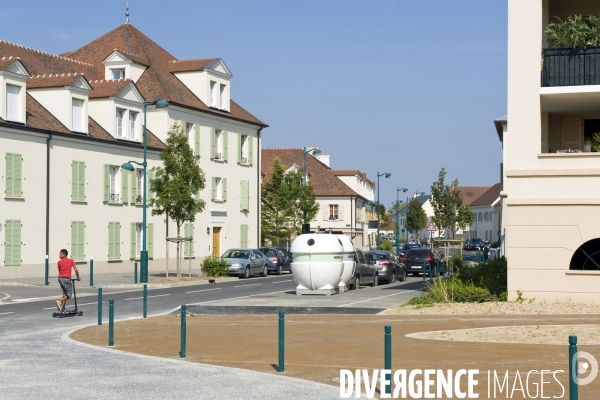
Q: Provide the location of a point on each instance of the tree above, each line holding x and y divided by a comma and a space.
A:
464, 215
178, 182
448, 208
305, 207
386, 245
385, 219
416, 219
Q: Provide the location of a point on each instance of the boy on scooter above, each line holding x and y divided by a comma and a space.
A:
64, 278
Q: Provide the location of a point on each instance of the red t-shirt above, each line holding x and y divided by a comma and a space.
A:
64, 267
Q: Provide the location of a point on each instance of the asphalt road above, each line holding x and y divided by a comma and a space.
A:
32, 316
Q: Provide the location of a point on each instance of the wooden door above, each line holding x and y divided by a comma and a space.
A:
216, 246
571, 133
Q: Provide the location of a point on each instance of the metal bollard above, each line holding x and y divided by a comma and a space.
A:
92, 271
183, 331
281, 342
111, 321
145, 307
388, 357
99, 306
430, 268
573, 387
424, 272
135, 273
46, 272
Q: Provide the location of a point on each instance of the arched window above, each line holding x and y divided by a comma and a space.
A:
587, 256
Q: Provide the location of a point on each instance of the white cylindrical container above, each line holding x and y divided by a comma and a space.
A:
317, 262
348, 260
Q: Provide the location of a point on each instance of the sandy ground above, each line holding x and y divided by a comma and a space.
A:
317, 347
184, 278
540, 308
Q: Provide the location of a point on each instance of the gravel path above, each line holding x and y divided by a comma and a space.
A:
48, 365
498, 308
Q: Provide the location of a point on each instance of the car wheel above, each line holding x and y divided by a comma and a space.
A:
403, 275
375, 280
265, 271
247, 273
279, 270
393, 280
357, 283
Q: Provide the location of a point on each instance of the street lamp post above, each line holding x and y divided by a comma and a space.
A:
398, 190
387, 175
160, 103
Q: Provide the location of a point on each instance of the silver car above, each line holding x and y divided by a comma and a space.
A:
246, 262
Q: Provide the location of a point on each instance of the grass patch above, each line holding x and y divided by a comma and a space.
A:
471, 284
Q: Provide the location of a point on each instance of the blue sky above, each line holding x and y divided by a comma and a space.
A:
404, 86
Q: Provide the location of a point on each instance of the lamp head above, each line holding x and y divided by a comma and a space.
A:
316, 152
387, 175
127, 166
404, 190
160, 103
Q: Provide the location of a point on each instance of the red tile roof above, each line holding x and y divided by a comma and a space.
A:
472, 193
133, 57
489, 197
189, 65
354, 172
322, 178
6, 61
56, 80
108, 88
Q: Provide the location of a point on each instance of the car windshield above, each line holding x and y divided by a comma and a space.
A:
410, 246
269, 252
376, 256
236, 254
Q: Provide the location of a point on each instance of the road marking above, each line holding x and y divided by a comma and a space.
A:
6, 313
203, 290
137, 298
240, 297
289, 280
375, 298
78, 305
254, 284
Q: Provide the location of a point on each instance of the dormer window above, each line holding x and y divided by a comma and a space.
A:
120, 118
222, 97
12, 103
133, 125
118, 73
77, 115
213, 94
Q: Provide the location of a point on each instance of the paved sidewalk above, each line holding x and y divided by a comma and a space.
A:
45, 366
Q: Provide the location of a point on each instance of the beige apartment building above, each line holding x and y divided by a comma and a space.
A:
67, 124
551, 194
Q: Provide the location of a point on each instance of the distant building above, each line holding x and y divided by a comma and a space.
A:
487, 210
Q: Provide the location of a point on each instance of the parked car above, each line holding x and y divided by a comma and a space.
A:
473, 244
407, 247
365, 273
389, 267
415, 259
279, 259
246, 262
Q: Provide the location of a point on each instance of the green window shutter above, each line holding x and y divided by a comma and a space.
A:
81, 240
106, 182
111, 240
10, 175
250, 150
81, 181
124, 185
12, 242
213, 189
150, 232
74, 180
213, 143
239, 148
182, 127
341, 212
75, 241
149, 193
192, 242
325, 213
133, 196
225, 145
8, 243
132, 252
197, 139
224, 186
18, 175
245, 197
244, 236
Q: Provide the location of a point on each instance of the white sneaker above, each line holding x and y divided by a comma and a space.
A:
59, 305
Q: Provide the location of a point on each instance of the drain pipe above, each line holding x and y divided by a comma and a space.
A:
258, 185
48, 193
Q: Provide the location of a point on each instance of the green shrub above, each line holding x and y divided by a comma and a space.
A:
576, 31
386, 245
457, 261
491, 275
495, 244
213, 266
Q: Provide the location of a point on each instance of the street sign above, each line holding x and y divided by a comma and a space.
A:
499, 233
448, 230
431, 227
403, 230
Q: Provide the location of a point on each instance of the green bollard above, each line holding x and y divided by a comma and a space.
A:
281, 342
424, 272
111, 322
430, 269
135, 273
145, 302
388, 357
99, 306
46, 281
183, 331
91, 271
573, 379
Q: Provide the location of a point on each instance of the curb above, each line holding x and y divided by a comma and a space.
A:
6, 299
18, 284
169, 285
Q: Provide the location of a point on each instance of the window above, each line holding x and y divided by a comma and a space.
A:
78, 181
222, 97
139, 186
12, 103
118, 73
77, 111
114, 241
114, 184
189, 134
133, 125
120, 117
213, 94
12, 242
480, 217
485, 216
219, 189
77, 240
14, 175
218, 144
333, 212
243, 149
137, 237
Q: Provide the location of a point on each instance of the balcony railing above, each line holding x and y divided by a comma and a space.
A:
217, 156
113, 197
244, 160
333, 218
571, 67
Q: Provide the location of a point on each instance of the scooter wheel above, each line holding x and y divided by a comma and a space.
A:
80, 313
54, 315
60, 315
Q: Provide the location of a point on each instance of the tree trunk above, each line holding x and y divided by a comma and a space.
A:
178, 251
